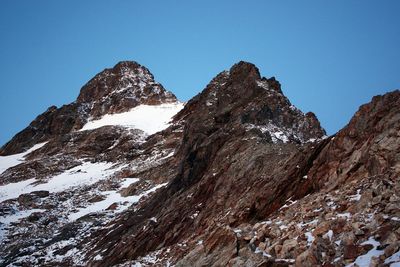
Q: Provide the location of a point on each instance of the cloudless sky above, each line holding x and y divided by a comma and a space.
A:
330, 56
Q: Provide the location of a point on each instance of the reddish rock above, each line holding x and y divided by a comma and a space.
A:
351, 252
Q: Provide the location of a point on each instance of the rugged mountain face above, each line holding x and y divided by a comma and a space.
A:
119, 89
238, 119
238, 177
114, 90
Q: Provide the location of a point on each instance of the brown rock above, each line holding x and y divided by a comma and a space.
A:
306, 259
322, 228
96, 198
392, 248
352, 251
348, 238
287, 249
262, 246
113, 206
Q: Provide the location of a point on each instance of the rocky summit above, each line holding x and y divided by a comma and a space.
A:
127, 175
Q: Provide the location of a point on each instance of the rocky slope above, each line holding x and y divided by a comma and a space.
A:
239, 177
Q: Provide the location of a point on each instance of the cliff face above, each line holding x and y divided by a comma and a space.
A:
238, 177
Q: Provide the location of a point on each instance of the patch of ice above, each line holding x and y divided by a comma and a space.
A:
13, 160
150, 119
285, 260
98, 257
128, 181
356, 197
329, 235
194, 215
302, 224
280, 136
310, 238
394, 260
259, 251
290, 203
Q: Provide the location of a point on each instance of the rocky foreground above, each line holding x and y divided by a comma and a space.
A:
128, 176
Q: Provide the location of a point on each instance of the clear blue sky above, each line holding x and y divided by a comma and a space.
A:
330, 56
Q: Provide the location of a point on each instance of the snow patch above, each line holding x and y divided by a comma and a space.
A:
111, 198
85, 174
13, 160
346, 215
310, 238
6, 220
150, 119
364, 260
394, 260
356, 197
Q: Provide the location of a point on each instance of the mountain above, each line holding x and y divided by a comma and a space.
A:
129, 176
115, 90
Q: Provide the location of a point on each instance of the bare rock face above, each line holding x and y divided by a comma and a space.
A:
114, 90
245, 157
368, 146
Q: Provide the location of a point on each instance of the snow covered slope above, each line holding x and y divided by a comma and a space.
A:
13, 160
87, 173
150, 119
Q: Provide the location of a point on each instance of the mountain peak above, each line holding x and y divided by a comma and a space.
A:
127, 64
123, 87
114, 90
244, 70
131, 68
241, 98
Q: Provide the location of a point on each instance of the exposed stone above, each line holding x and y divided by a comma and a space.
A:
306, 259
287, 249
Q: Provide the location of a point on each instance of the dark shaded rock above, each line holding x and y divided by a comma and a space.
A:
30, 198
